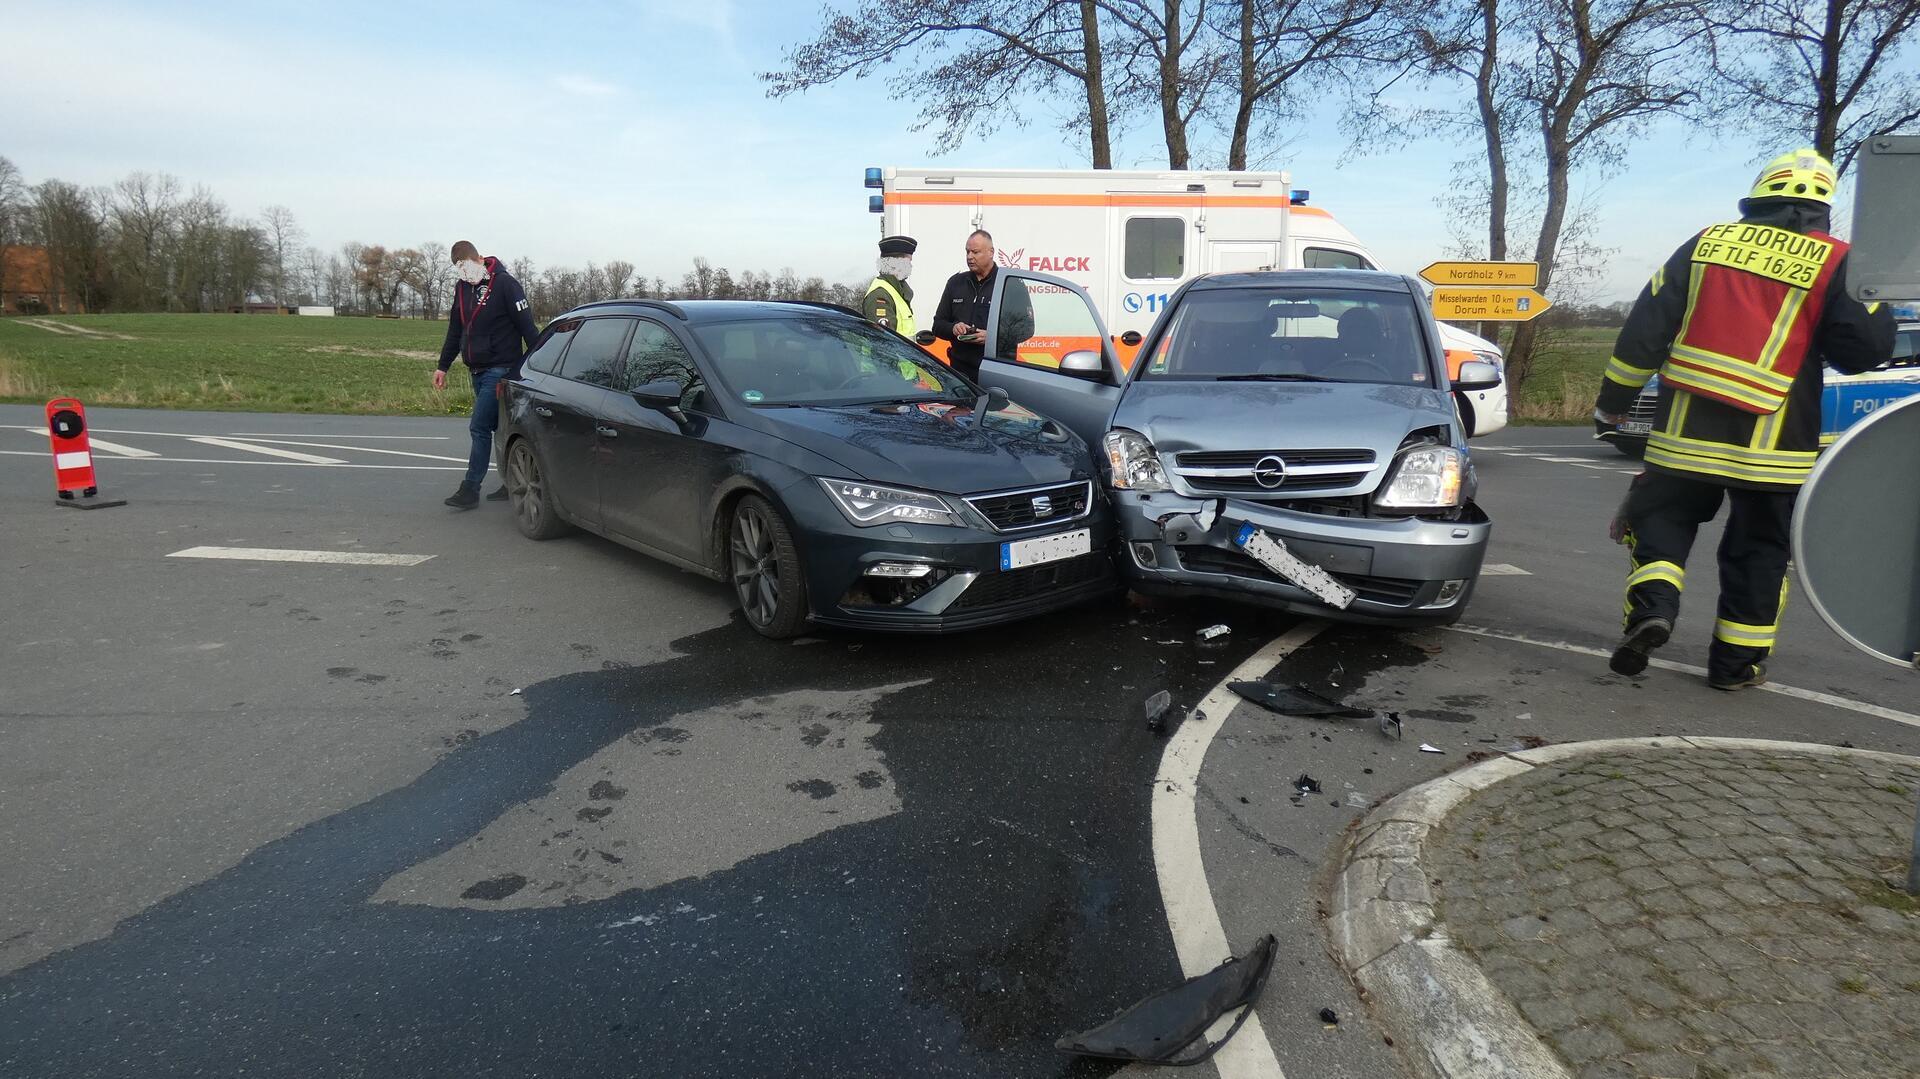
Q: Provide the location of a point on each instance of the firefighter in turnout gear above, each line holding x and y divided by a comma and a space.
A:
889, 301
1737, 324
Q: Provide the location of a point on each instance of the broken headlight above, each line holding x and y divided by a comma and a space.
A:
1131, 463
870, 504
1424, 478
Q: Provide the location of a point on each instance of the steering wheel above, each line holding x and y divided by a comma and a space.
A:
1370, 365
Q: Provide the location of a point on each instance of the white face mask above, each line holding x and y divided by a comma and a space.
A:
470, 271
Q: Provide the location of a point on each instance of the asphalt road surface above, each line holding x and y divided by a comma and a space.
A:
439, 800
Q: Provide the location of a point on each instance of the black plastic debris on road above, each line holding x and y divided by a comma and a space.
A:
1306, 784
1330, 1017
1156, 707
1164, 1028
1296, 700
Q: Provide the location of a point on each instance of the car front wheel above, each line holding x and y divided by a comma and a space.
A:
529, 495
765, 569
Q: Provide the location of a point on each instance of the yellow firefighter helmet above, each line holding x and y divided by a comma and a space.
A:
1802, 174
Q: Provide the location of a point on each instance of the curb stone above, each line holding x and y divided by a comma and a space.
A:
1432, 997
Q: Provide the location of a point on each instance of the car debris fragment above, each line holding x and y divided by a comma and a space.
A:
1217, 630
1156, 709
1306, 784
1164, 1028
1296, 700
1425, 748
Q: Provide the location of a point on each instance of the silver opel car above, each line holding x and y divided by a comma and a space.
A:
1285, 438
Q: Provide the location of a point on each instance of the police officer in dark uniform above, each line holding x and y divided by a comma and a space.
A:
889, 301
966, 306
1737, 323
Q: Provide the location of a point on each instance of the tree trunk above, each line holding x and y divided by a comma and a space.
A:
1559, 164
1243, 114
1496, 144
1102, 146
1826, 118
1171, 121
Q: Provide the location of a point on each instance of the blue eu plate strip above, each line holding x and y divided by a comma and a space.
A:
1006, 556
1246, 533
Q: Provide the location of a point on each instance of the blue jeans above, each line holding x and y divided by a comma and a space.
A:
486, 417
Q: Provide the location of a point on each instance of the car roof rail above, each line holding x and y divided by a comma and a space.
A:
673, 309
823, 305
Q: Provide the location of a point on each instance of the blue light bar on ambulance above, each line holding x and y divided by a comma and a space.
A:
876, 204
1299, 196
873, 177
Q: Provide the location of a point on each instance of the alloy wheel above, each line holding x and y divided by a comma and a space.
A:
525, 487
756, 568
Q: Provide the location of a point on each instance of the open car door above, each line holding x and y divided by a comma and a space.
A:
1048, 348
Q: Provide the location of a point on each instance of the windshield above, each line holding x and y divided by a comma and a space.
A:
823, 359
1284, 334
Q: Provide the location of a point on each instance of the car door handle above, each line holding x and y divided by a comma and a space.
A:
607, 432
542, 410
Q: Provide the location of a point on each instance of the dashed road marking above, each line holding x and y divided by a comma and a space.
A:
114, 448
356, 449
273, 554
291, 455
1502, 569
1198, 937
1795, 692
281, 464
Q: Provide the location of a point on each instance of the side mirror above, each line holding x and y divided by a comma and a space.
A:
1477, 375
997, 398
1130, 338
663, 395
1083, 363
924, 337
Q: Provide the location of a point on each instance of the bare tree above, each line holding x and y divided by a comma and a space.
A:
965, 61
1169, 67
284, 237
66, 220
13, 210
618, 275
1830, 70
145, 210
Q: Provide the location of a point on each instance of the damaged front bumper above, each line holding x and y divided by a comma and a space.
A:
1402, 571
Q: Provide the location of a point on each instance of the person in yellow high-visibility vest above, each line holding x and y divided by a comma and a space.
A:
889, 301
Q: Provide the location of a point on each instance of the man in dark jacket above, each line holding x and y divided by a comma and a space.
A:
962, 315
491, 328
1737, 323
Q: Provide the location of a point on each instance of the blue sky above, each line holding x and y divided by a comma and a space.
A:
634, 130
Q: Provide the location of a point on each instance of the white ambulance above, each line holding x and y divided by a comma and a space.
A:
1132, 238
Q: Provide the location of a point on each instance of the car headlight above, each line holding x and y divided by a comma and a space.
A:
871, 504
1424, 478
1132, 464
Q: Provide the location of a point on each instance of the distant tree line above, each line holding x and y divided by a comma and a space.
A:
146, 243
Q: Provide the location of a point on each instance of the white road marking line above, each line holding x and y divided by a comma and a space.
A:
1567, 460
1502, 569
102, 444
1198, 937
1795, 692
284, 464
300, 434
357, 449
1602, 468
229, 444
272, 554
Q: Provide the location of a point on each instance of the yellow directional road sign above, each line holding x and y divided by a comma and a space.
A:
1488, 304
1520, 274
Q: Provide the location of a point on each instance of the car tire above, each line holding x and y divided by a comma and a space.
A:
764, 566
529, 495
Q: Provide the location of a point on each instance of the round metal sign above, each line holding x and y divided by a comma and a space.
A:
1856, 535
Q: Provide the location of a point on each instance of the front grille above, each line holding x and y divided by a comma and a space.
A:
1006, 586
1014, 510
1394, 591
1232, 471
1646, 406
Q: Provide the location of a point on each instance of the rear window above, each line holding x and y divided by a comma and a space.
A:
821, 359
1295, 335
597, 350
1906, 348
546, 358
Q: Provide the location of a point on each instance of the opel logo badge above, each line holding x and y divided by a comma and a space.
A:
1042, 506
1269, 472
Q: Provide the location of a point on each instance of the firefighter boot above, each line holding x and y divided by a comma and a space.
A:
467, 497
1754, 675
1630, 657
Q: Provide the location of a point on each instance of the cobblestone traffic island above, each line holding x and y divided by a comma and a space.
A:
1693, 910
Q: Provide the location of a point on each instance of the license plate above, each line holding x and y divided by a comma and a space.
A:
1033, 552
1272, 553
1637, 427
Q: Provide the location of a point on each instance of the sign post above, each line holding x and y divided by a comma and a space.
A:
1486, 291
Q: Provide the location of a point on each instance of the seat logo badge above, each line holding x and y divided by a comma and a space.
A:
1042, 506
1270, 472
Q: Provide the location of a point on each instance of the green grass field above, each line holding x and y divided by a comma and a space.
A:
283, 363
252, 363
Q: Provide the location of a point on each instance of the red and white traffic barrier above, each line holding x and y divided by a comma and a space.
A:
73, 478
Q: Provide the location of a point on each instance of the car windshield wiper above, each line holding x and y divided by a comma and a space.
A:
1290, 377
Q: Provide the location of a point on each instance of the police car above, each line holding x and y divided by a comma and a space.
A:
1846, 400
